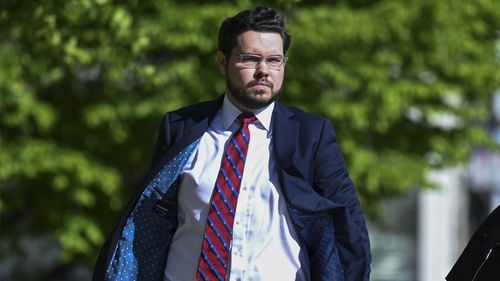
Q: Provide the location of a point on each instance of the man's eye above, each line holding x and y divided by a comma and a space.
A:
250, 59
274, 59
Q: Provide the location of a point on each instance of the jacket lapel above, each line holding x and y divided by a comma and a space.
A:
285, 134
285, 140
195, 124
188, 126
297, 188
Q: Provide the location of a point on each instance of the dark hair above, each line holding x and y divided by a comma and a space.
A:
260, 19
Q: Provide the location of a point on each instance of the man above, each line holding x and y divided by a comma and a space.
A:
297, 215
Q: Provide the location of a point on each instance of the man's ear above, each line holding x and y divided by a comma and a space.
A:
221, 62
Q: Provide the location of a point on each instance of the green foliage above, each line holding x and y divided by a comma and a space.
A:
406, 84
84, 83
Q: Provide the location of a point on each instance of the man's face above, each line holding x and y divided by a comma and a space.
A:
253, 88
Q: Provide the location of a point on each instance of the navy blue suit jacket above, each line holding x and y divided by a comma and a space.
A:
320, 196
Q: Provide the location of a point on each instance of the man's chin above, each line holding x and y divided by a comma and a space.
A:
258, 101
259, 92
252, 98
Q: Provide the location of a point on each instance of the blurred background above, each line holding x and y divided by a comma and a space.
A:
412, 88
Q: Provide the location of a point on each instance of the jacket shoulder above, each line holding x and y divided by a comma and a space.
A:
196, 111
303, 116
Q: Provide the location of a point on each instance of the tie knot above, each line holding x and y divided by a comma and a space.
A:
246, 118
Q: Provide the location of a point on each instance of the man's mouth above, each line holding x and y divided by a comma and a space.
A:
261, 84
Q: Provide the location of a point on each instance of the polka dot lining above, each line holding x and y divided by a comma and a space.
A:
142, 249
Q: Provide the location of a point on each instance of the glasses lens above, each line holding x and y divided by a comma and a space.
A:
274, 61
250, 60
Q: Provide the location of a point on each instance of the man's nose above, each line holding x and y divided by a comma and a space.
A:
261, 69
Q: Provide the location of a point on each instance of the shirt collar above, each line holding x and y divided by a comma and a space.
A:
230, 112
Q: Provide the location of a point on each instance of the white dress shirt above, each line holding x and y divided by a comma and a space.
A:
265, 245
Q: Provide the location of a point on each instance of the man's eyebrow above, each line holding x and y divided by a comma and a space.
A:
254, 54
243, 53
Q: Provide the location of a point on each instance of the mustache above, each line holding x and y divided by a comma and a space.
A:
261, 82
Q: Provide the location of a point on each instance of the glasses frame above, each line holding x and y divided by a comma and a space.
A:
241, 55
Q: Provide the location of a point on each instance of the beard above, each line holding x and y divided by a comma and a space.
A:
248, 97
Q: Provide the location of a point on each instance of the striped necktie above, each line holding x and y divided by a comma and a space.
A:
216, 248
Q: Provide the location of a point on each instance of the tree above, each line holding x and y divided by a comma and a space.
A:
84, 84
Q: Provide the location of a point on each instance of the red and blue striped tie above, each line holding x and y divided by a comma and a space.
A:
216, 248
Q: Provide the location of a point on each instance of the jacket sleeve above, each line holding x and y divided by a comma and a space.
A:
331, 179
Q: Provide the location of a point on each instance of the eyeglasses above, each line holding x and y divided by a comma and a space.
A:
252, 60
